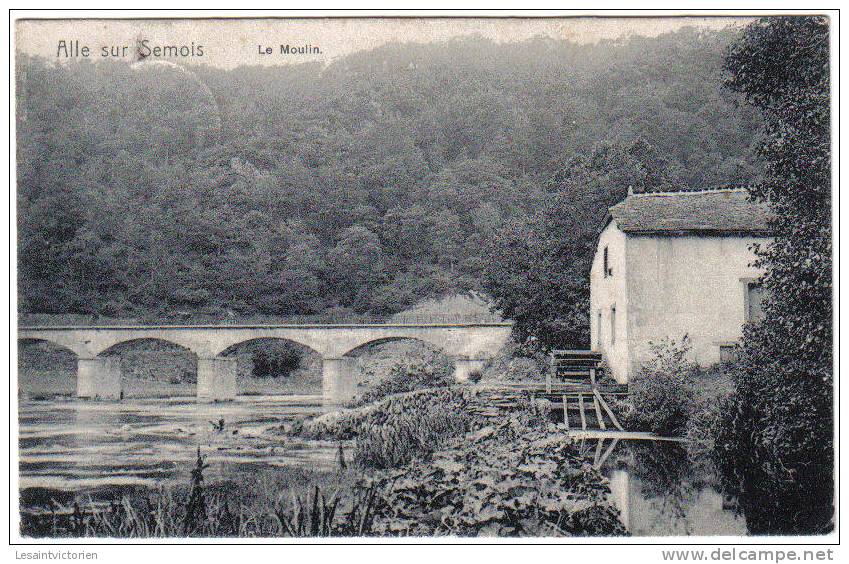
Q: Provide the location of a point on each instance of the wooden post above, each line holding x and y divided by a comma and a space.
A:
581, 408
598, 411
592, 377
566, 412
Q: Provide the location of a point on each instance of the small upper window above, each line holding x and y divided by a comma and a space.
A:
607, 271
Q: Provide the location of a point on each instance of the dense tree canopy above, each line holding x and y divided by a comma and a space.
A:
363, 186
538, 265
782, 420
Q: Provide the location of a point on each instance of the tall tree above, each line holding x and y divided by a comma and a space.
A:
537, 267
781, 434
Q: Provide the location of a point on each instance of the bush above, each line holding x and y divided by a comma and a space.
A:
404, 427
508, 479
397, 429
713, 398
275, 363
662, 392
407, 377
774, 445
411, 426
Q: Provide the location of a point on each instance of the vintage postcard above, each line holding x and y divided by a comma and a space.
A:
428, 279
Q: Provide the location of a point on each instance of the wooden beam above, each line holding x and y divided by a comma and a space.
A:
581, 407
606, 454
609, 411
597, 456
595, 434
598, 411
566, 411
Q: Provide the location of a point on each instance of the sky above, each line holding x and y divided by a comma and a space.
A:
229, 43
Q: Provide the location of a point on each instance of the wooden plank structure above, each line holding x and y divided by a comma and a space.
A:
573, 374
597, 434
572, 367
598, 415
608, 410
571, 385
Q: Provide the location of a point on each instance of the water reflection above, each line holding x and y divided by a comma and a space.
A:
660, 492
79, 446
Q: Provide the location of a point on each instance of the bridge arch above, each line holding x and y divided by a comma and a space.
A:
57, 341
151, 365
115, 347
273, 365
429, 344
105, 342
53, 342
223, 343
45, 368
252, 340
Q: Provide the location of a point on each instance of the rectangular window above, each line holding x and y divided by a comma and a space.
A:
754, 301
728, 353
598, 330
606, 268
613, 325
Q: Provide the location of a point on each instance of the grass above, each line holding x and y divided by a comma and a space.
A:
411, 426
298, 502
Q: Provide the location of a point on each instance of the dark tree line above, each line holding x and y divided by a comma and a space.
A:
387, 177
780, 425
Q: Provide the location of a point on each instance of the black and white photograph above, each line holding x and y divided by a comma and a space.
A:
459, 278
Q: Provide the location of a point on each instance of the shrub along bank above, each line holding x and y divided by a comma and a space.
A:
662, 393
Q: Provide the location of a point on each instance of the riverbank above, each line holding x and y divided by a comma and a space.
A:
522, 476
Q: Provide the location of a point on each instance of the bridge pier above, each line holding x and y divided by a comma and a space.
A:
337, 379
463, 367
99, 378
216, 379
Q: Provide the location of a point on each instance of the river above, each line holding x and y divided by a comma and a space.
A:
70, 447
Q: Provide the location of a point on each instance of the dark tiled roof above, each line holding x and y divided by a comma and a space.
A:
714, 211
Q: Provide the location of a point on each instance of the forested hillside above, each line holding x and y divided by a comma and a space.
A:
386, 177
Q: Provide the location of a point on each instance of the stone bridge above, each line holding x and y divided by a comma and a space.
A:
99, 376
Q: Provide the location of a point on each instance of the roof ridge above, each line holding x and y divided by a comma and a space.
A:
730, 211
690, 192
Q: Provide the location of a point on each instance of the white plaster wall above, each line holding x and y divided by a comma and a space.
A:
605, 293
691, 285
